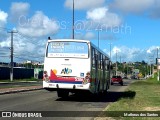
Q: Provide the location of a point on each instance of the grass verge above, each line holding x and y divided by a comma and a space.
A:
17, 86
147, 98
20, 80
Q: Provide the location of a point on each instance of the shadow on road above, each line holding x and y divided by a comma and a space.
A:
103, 97
119, 85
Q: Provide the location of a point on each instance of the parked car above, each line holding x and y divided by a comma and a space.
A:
116, 79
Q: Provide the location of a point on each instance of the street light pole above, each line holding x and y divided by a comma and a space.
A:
150, 69
110, 51
153, 71
157, 65
127, 70
116, 62
98, 38
110, 63
73, 22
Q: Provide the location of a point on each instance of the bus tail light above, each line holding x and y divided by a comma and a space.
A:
45, 76
87, 78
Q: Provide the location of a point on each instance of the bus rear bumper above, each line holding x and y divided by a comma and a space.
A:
55, 86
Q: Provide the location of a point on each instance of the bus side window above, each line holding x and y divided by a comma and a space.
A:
93, 57
111, 66
99, 60
106, 64
103, 62
96, 56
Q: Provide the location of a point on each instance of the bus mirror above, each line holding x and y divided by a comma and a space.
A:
49, 38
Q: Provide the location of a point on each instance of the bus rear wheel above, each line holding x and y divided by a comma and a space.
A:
62, 93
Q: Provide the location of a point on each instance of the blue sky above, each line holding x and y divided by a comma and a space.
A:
132, 27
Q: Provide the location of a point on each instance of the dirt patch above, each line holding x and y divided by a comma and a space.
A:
152, 109
104, 118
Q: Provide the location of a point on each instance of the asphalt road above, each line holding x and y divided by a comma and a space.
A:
42, 100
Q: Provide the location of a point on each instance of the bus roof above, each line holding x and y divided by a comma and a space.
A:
75, 40
99, 50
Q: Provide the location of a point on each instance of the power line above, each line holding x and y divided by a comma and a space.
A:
27, 39
7, 29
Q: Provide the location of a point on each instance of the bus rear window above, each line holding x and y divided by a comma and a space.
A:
67, 49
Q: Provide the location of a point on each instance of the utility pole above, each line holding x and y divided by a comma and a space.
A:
110, 51
98, 38
110, 63
120, 65
73, 22
146, 71
127, 70
116, 62
153, 71
157, 65
11, 64
150, 67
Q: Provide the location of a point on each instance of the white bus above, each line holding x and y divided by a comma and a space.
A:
72, 65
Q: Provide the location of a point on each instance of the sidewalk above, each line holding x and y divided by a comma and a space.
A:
19, 89
19, 82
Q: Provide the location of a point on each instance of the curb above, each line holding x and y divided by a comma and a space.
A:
19, 82
20, 90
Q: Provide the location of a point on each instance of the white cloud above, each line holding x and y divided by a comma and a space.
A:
17, 10
116, 50
152, 49
97, 14
129, 54
102, 18
3, 18
3, 22
39, 25
89, 36
85, 36
155, 11
5, 43
149, 8
28, 42
36, 26
24, 48
133, 6
84, 4
107, 36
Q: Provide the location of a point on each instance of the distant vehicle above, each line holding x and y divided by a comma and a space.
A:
116, 79
75, 65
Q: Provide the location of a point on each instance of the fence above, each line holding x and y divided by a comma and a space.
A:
18, 73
